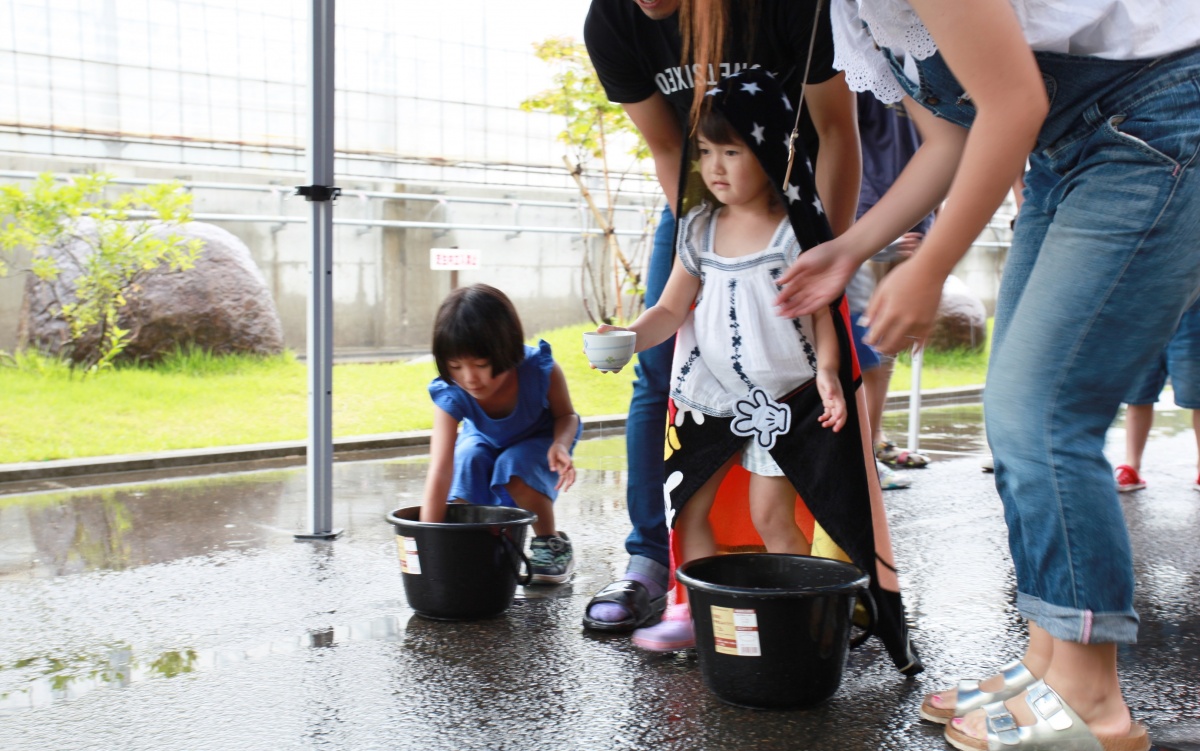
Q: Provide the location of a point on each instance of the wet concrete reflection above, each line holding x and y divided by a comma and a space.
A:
183, 614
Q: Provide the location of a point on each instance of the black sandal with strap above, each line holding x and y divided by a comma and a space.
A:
635, 598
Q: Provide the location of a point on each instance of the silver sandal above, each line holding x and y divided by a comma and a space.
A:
970, 697
1058, 728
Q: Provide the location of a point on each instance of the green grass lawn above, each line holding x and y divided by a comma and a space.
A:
942, 370
198, 401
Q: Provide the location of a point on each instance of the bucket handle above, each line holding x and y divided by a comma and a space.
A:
506, 541
864, 596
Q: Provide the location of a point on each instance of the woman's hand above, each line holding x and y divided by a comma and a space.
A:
816, 279
908, 244
559, 459
902, 311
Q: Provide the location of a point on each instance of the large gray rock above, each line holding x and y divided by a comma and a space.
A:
961, 319
221, 305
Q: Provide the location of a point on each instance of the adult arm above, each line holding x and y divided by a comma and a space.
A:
659, 125
566, 426
820, 274
441, 466
834, 113
984, 46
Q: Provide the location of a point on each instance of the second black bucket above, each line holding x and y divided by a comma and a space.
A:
467, 566
772, 631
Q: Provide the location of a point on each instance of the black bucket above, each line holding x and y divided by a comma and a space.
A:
467, 566
772, 631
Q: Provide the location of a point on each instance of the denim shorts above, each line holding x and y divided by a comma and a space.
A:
1181, 361
868, 358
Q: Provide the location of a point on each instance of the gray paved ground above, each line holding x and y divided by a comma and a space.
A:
180, 614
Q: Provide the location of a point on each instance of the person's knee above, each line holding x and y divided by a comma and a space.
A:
1010, 421
773, 520
475, 459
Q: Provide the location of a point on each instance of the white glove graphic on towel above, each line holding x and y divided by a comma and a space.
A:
762, 417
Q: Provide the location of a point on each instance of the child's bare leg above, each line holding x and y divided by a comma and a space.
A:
1139, 418
692, 525
675, 631
529, 499
773, 509
1196, 435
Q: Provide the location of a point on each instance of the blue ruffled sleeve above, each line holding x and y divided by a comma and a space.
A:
447, 396
543, 361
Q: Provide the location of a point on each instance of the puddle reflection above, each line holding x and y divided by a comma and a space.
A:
66, 678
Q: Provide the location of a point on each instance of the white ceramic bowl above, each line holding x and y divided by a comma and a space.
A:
611, 350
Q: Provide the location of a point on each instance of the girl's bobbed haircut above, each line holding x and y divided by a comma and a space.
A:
478, 321
716, 128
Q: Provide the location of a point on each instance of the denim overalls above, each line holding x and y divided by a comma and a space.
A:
1104, 260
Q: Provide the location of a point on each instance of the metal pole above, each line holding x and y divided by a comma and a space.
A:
914, 402
320, 193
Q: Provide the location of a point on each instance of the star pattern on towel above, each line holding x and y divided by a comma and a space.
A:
764, 123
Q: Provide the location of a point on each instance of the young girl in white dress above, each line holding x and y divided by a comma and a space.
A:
734, 356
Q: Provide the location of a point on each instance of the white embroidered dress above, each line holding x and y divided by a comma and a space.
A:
733, 341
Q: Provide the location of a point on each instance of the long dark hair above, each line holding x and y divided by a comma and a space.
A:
478, 321
704, 26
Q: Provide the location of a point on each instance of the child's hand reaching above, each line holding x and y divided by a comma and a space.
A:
830, 389
560, 462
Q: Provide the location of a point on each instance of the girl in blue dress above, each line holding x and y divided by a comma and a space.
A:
518, 425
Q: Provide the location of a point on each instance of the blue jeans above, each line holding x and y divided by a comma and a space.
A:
1180, 360
1105, 259
645, 427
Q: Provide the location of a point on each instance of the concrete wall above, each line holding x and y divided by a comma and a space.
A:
385, 294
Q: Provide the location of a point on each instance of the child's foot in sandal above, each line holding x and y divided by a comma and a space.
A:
894, 456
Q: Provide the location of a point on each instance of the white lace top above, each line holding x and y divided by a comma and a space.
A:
733, 341
1110, 29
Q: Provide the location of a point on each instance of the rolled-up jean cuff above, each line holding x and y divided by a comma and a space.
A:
1079, 626
640, 564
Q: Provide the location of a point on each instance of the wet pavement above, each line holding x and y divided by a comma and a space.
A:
179, 613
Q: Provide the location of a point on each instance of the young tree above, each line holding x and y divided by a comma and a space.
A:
591, 122
97, 249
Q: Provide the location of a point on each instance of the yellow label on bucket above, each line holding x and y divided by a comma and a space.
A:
410, 562
735, 631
